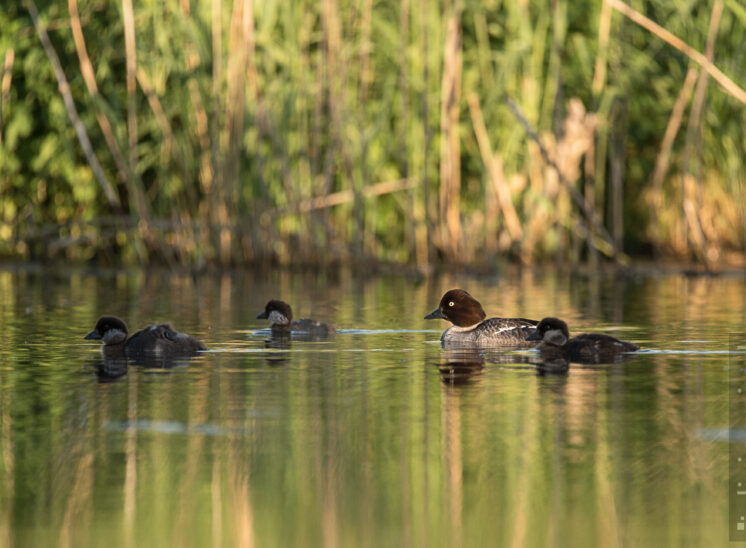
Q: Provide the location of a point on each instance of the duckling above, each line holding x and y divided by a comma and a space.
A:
586, 348
280, 315
159, 340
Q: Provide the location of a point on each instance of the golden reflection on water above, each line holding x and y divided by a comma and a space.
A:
368, 439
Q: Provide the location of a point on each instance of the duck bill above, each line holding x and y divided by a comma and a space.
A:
93, 335
435, 314
534, 336
262, 315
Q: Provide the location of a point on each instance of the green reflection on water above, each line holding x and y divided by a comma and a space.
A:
367, 439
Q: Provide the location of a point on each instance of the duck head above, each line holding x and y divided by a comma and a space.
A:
551, 331
277, 312
108, 330
459, 308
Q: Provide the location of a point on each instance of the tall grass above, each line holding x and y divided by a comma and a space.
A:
409, 132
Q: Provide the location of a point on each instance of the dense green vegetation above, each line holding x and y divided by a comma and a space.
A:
232, 132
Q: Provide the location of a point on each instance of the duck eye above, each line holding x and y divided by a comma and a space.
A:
450, 304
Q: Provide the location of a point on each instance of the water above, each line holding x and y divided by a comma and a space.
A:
374, 438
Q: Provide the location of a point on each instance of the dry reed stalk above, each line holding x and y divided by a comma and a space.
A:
346, 196
86, 67
337, 106
536, 213
169, 147
366, 74
217, 84
6, 76
235, 103
662, 160
494, 166
412, 210
333, 43
491, 217
424, 242
604, 27
691, 227
487, 74
206, 174
72, 111
192, 59
450, 147
578, 140
603, 242
694, 131
363, 242
731, 87
590, 192
552, 101
616, 173
128, 19
155, 105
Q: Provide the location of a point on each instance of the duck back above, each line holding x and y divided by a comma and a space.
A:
597, 348
162, 340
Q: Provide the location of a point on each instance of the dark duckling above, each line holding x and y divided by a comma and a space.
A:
470, 328
159, 340
589, 348
280, 315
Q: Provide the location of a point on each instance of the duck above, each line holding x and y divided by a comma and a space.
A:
158, 340
280, 315
592, 348
470, 328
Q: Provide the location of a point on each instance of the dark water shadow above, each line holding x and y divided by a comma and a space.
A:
108, 369
112, 369
461, 365
557, 365
553, 357
278, 341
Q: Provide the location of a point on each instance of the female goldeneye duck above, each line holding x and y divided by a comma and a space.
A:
470, 327
280, 315
155, 340
586, 348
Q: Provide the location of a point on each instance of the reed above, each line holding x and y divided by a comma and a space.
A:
221, 123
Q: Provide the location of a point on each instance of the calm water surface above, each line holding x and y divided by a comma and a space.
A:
377, 437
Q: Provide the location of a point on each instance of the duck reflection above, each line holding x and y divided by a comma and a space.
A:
279, 340
112, 368
460, 366
552, 365
109, 369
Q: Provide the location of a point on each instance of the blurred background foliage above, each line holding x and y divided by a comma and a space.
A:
412, 132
